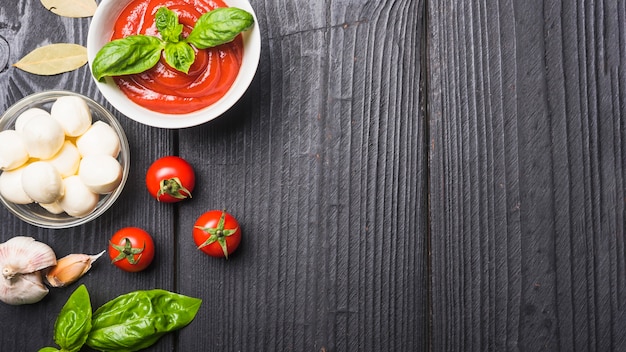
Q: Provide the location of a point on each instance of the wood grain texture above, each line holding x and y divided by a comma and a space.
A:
525, 102
26, 25
323, 161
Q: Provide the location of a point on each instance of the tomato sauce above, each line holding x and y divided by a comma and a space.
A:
163, 88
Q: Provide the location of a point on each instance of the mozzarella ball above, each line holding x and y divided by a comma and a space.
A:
43, 136
100, 173
78, 200
99, 139
66, 161
73, 114
42, 182
54, 208
13, 152
11, 187
27, 115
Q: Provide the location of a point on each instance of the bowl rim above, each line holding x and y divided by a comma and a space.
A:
21, 211
105, 15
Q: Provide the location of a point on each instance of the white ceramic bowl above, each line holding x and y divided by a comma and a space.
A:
100, 32
35, 214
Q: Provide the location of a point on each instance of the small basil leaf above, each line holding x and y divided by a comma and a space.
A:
48, 349
133, 54
180, 56
166, 22
74, 321
136, 320
219, 26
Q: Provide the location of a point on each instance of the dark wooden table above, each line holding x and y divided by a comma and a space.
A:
409, 176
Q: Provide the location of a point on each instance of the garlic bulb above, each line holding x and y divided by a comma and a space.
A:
21, 259
70, 268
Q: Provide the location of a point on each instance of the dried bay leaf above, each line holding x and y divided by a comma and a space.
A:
53, 59
71, 8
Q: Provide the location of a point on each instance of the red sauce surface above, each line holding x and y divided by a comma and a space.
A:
163, 88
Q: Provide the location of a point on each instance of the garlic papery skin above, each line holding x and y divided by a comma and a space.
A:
70, 268
21, 259
23, 289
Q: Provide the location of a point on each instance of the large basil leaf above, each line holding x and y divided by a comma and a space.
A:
136, 320
180, 56
133, 54
74, 321
219, 26
166, 22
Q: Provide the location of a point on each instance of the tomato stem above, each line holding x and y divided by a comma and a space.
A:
174, 188
127, 251
218, 234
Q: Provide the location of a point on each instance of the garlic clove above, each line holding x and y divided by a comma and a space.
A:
24, 255
70, 268
25, 289
21, 259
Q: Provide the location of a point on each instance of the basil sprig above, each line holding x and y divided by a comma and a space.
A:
216, 27
133, 54
138, 53
166, 22
73, 323
130, 322
138, 319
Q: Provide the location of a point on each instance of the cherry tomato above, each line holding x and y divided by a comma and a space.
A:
170, 179
131, 249
217, 233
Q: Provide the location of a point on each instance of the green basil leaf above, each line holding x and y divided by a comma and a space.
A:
136, 320
219, 26
48, 349
74, 321
180, 56
166, 22
133, 54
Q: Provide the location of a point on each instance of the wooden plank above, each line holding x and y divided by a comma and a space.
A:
24, 26
322, 162
526, 102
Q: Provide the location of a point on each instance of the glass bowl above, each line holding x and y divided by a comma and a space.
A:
34, 213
